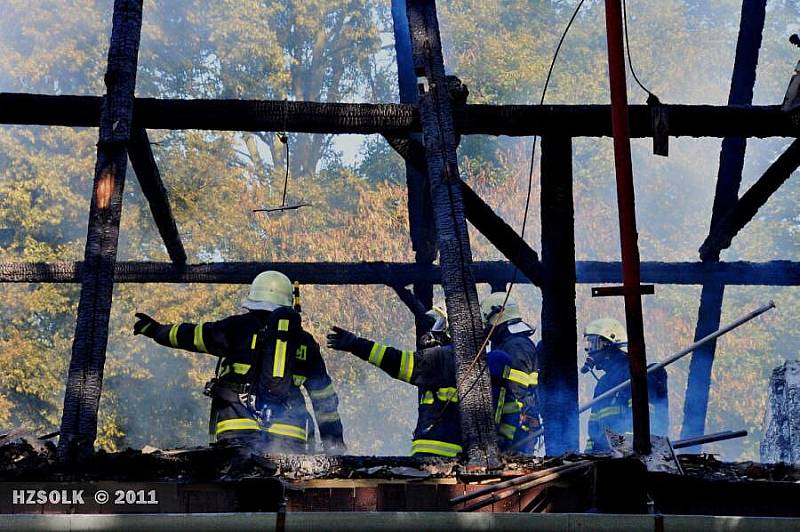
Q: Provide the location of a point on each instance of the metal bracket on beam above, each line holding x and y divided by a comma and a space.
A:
606, 291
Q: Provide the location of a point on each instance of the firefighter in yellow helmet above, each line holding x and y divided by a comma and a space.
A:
607, 351
518, 379
264, 357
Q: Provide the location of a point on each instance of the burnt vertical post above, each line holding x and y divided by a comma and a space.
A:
559, 357
420, 215
729, 178
85, 378
461, 297
627, 227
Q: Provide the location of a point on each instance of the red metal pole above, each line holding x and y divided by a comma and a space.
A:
627, 227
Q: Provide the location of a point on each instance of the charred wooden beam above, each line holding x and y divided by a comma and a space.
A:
751, 201
85, 378
144, 164
420, 210
455, 255
363, 118
496, 273
501, 235
729, 178
558, 360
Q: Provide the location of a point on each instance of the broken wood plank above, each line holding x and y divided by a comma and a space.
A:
85, 378
362, 118
144, 164
455, 255
751, 201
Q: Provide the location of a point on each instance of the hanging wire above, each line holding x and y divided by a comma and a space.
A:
522, 232
652, 99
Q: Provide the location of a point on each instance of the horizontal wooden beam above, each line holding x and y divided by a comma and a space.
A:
773, 273
751, 201
363, 118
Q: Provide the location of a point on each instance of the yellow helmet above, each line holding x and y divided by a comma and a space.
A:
439, 318
269, 291
491, 305
607, 328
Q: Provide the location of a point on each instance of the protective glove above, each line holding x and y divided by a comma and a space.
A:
145, 325
341, 339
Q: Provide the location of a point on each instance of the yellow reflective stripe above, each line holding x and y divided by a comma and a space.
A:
290, 431
406, 366
198, 339
241, 423
447, 394
224, 370
173, 335
279, 363
533, 378
512, 407
376, 354
441, 448
501, 400
589, 444
327, 417
283, 325
427, 398
324, 393
240, 369
298, 380
507, 431
253, 342
145, 327
520, 377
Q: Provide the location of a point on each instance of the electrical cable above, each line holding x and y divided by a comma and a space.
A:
522, 232
652, 99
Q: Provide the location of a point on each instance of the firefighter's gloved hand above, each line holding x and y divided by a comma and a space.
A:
145, 325
341, 339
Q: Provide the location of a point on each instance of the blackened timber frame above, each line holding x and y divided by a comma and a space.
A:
455, 255
400, 119
496, 273
85, 378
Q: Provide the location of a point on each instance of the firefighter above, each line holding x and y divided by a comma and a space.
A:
272, 422
607, 351
517, 378
432, 370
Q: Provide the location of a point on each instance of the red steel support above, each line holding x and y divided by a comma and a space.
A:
627, 227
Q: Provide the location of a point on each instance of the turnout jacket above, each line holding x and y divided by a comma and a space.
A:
432, 371
234, 341
517, 381
615, 412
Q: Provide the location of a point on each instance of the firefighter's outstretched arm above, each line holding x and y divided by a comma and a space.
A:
399, 364
200, 338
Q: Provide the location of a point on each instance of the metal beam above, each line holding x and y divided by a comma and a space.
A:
144, 164
747, 206
455, 255
558, 359
729, 178
497, 273
400, 119
85, 378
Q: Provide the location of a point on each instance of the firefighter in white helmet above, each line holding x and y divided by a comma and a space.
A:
607, 351
516, 381
264, 358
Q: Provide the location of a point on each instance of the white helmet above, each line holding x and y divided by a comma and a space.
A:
492, 305
269, 291
607, 328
